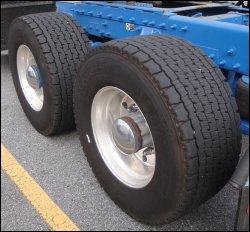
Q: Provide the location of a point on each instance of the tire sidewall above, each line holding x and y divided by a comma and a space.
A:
109, 69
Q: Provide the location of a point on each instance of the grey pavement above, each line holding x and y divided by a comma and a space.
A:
59, 166
16, 213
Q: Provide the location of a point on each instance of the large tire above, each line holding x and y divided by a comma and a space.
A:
190, 112
242, 98
58, 45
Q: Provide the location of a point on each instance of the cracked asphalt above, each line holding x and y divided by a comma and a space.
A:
59, 166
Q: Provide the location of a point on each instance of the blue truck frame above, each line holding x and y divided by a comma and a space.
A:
221, 30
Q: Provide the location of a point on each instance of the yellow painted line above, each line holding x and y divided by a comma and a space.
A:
43, 204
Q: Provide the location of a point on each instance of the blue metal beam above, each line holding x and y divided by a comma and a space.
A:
226, 43
233, 17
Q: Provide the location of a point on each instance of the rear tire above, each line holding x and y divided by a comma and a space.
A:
189, 109
58, 45
242, 98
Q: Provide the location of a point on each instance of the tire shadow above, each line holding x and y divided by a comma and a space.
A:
4, 58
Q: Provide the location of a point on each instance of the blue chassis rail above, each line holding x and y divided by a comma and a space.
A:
223, 37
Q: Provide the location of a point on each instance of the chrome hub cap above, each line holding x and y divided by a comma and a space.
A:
126, 135
33, 77
29, 77
123, 137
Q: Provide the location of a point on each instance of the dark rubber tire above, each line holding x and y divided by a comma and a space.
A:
242, 98
58, 44
190, 112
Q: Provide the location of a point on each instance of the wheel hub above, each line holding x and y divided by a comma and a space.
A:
123, 137
29, 77
33, 77
127, 135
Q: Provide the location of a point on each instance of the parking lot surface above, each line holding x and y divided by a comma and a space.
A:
59, 166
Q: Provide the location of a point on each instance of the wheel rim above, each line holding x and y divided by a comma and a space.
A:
123, 137
29, 77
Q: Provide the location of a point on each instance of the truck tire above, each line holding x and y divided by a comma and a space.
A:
242, 98
45, 51
163, 87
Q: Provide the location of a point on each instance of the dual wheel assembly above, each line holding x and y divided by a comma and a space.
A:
155, 116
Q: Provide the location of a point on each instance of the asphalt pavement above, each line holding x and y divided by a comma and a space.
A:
59, 166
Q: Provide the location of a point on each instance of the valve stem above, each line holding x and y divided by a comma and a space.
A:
130, 109
146, 152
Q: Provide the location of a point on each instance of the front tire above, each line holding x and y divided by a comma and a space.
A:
190, 112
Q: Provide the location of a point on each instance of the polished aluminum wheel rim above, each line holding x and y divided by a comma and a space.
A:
133, 169
29, 77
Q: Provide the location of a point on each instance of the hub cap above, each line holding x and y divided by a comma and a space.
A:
123, 137
33, 77
126, 135
29, 77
